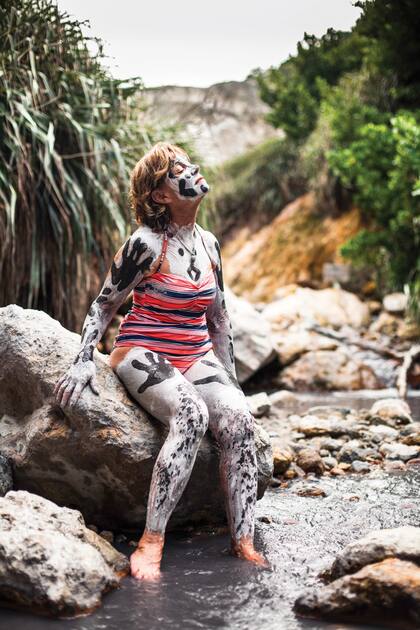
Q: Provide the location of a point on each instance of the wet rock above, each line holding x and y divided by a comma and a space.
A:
98, 456
351, 451
360, 467
252, 336
395, 302
328, 370
396, 450
391, 411
259, 404
387, 592
310, 461
328, 307
398, 542
50, 562
6, 476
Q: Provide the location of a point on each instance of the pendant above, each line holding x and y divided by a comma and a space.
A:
192, 270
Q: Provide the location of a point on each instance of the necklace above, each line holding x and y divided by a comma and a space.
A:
192, 270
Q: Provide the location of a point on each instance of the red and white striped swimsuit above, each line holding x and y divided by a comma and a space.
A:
168, 316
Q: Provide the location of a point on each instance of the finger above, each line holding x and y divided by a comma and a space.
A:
76, 394
58, 383
94, 385
60, 390
67, 393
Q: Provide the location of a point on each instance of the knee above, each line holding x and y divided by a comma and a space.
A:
237, 429
199, 418
192, 414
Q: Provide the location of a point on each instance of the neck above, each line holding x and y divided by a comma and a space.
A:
183, 219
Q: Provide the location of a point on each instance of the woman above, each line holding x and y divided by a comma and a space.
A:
174, 350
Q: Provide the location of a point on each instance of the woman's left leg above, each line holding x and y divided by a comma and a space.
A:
232, 425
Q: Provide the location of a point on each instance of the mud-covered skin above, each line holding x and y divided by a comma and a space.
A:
202, 397
130, 263
218, 321
175, 402
182, 177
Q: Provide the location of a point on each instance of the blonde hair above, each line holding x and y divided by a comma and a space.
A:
146, 176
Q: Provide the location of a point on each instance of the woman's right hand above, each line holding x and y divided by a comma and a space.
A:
69, 387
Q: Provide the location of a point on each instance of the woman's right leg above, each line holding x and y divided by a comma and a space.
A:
161, 389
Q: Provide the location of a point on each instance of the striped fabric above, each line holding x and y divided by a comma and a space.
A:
168, 316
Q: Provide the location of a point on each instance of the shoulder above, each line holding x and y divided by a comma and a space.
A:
210, 240
144, 240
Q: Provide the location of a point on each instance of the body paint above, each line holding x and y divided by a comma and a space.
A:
189, 183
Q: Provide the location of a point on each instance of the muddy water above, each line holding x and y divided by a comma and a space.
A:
204, 587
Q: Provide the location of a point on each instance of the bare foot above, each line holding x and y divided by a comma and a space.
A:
145, 561
244, 548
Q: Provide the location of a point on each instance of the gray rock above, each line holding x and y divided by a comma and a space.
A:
329, 462
386, 592
351, 451
311, 425
360, 467
97, 457
252, 336
399, 542
395, 302
50, 561
259, 404
381, 432
391, 411
395, 450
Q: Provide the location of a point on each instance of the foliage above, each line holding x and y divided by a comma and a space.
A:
382, 167
256, 185
295, 88
392, 29
68, 135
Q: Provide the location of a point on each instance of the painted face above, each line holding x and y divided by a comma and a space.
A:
185, 178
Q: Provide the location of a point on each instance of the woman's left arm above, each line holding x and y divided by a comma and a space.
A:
218, 321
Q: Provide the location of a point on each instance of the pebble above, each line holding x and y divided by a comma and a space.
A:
360, 467
330, 462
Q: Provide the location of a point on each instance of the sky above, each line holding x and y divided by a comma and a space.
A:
201, 42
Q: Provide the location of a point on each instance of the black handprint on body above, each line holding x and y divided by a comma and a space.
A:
157, 370
131, 264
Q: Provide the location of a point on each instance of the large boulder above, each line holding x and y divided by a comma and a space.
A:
328, 307
97, 457
50, 561
328, 370
252, 336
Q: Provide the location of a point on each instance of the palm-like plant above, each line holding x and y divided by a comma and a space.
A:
67, 130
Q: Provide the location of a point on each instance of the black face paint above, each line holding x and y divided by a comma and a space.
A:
130, 265
188, 183
180, 251
157, 371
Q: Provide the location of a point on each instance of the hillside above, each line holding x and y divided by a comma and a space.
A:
223, 120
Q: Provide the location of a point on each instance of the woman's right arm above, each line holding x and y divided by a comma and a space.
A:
130, 263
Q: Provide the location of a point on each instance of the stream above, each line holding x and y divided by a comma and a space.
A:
202, 586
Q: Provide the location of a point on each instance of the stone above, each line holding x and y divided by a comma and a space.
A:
282, 458
337, 471
329, 462
312, 426
351, 451
382, 432
50, 562
395, 302
310, 461
295, 341
358, 466
396, 450
309, 490
386, 592
259, 404
328, 370
282, 398
329, 307
413, 439
391, 411
251, 335
398, 542
99, 455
